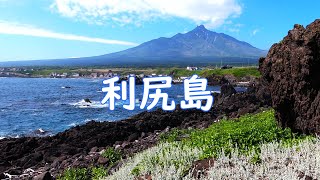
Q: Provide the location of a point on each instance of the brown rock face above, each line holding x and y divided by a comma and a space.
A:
292, 71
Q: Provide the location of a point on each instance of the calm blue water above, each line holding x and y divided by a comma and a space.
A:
30, 104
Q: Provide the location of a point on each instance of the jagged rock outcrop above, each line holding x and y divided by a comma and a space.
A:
292, 71
216, 80
237, 104
227, 90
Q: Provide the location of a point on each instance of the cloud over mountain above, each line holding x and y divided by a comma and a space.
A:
213, 13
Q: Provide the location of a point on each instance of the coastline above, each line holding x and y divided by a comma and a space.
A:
130, 135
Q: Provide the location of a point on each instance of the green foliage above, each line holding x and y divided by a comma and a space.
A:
136, 171
94, 173
238, 72
174, 135
179, 148
256, 158
112, 154
98, 173
247, 133
47, 72
75, 174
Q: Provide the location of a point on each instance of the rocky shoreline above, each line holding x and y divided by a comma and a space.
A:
289, 84
81, 146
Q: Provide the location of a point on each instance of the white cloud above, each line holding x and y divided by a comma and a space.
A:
28, 30
254, 32
234, 30
212, 13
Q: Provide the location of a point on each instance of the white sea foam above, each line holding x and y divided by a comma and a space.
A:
93, 104
92, 119
56, 103
41, 130
215, 92
88, 120
72, 125
2, 137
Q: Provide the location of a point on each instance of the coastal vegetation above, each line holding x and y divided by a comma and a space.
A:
238, 72
246, 141
176, 72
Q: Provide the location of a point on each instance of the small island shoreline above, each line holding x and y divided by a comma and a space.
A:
130, 136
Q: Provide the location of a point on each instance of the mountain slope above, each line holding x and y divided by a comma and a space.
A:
197, 47
199, 42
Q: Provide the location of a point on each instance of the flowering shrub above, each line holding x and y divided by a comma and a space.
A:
179, 148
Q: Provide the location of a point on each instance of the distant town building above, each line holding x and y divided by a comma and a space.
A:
192, 68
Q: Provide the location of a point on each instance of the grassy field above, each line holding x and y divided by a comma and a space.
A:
178, 72
236, 71
246, 140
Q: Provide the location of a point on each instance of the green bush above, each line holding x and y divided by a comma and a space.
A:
237, 72
179, 148
246, 133
75, 174
174, 135
112, 154
94, 173
98, 173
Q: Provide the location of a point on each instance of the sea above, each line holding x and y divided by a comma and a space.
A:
46, 106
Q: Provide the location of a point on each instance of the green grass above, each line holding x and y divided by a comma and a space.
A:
47, 72
179, 148
94, 173
178, 72
238, 72
112, 154
246, 132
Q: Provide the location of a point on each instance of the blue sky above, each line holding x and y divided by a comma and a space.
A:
49, 29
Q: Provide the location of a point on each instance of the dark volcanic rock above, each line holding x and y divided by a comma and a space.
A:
2, 176
216, 80
292, 70
43, 176
76, 147
200, 168
237, 104
227, 90
133, 137
87, 100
